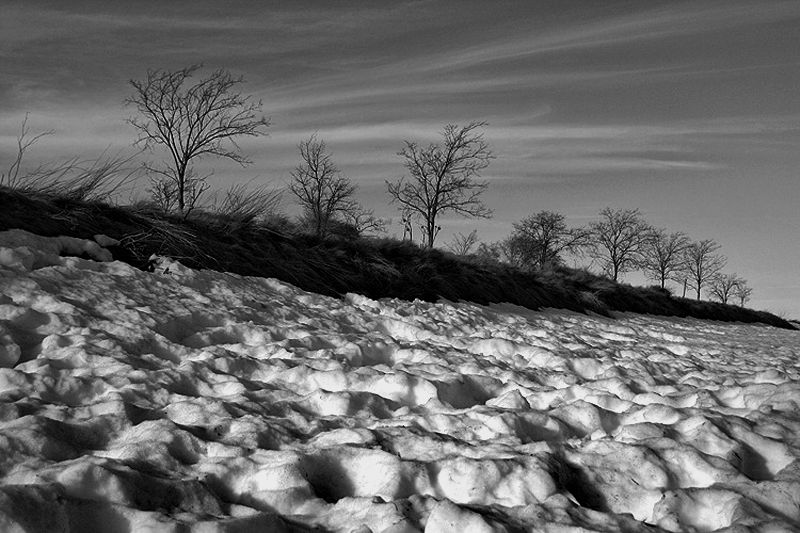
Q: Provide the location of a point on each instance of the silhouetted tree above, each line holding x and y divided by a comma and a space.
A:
321, 189
191, 121
463, 244
364, 220
541, 239
442, 177
722, 286
661, 255
742, 292
703, 263
617, 240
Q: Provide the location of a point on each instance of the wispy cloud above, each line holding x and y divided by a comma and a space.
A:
668, 21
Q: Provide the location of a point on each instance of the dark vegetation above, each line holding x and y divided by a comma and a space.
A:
375, 267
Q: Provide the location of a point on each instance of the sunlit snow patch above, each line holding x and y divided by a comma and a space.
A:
184, 400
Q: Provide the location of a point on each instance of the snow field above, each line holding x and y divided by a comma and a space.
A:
183, 400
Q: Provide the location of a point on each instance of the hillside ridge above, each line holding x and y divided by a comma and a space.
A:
374, 267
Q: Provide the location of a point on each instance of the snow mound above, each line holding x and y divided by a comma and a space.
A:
180, 400
24, 251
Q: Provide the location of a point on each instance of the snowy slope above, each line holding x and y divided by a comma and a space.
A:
181, 400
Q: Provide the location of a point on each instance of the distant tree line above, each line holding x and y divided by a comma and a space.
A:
620, 241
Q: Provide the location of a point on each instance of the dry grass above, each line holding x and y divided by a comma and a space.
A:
244, 207
82, 180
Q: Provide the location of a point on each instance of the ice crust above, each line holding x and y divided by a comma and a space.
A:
181, 400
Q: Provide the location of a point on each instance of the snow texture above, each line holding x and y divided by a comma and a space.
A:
181, 400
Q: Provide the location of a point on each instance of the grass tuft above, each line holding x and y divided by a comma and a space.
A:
81, 180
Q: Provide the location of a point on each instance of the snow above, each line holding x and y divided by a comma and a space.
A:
181, 400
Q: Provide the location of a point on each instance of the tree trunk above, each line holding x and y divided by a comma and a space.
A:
181, 188
430, 231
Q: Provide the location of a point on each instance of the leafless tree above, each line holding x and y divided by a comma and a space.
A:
703, 263
364, 220
191, 121
442, 177
541, 239
617, 240
742, 292
463, 244
321, 189
163, 195
723, 286
662, 255
164, 191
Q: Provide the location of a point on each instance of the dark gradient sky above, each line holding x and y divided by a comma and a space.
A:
689, 111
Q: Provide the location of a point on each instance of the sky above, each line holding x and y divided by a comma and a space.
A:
688, 111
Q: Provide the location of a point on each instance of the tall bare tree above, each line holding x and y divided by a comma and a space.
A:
723, 286
442, 177
617, 240
703, 263
541, 239
193, 120
321, 189
662, 255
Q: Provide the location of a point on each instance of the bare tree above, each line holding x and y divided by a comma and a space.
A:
164, 191
191, 121
742, 292
703, 263
723, 286
617, 240
541, 239
463, 244
162, 194
321, 189
442, 177
364, 220
662, 255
